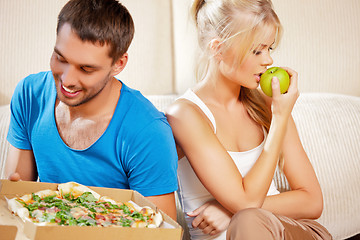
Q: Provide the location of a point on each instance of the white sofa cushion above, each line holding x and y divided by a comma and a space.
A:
329, 128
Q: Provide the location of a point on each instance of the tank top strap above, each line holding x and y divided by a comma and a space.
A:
192, 97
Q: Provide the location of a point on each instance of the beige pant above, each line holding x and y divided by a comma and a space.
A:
259, 224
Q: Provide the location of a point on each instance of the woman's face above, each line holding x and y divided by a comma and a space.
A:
248, 73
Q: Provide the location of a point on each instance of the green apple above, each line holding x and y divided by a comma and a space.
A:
280, 73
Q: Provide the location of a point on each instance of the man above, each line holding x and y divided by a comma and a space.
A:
79, 123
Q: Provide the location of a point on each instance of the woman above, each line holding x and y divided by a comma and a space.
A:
231, 137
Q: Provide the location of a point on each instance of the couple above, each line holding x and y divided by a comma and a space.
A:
79, 123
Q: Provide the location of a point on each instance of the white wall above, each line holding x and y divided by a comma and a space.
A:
27, 37
150, 67
28, 33
321, 42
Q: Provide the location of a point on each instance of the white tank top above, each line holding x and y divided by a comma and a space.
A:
192, 193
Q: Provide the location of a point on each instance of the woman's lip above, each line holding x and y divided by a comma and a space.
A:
257, 76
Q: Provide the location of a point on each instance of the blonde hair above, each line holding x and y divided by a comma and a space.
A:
239, 25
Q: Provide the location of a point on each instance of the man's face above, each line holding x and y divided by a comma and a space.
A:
81, 69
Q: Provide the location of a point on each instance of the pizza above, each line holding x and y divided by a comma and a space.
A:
74, 204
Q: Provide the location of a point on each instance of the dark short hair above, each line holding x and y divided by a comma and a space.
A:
100, 21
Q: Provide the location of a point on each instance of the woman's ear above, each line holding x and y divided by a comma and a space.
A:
215, 48
120, 64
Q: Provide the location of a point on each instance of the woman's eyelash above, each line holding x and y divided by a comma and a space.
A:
257, 52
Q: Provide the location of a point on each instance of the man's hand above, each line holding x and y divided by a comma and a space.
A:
14, 177
20, 165
211, 217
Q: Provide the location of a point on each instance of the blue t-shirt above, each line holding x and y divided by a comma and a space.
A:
137, 150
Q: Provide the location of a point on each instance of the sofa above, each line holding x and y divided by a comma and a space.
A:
329, 128
320, 42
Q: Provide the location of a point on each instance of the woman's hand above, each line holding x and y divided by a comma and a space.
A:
211, 217
282, 104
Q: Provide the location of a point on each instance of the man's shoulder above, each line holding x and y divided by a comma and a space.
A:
138, 112
37, 80
138, 104
45, 75
36, 88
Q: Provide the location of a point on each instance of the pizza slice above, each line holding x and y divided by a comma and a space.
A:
17, 205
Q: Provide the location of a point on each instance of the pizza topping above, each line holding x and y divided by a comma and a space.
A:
82, 210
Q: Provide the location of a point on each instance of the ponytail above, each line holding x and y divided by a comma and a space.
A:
196, 6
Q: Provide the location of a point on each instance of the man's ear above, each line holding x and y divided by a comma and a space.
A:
215, 48
120, 64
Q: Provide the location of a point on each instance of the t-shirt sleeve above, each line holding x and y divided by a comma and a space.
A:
152, 164
18, 128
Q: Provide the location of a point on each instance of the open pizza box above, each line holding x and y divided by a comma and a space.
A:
10, 224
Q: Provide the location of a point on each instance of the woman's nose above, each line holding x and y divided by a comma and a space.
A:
267, 61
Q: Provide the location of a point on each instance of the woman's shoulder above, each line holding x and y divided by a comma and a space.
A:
183, 108
184, 113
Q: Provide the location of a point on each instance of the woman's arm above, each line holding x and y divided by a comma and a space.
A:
303, 201
214, 166
305, 198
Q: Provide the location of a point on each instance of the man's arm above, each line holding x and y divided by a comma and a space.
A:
166, 203
20, 165
152, 165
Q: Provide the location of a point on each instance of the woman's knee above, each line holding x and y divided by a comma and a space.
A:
250, 215
253, 223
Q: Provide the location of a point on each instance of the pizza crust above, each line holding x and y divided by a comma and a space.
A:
14, 205
18, 209
75, 189
156, 216
26, 198
107, 199
23, 213
46, 193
